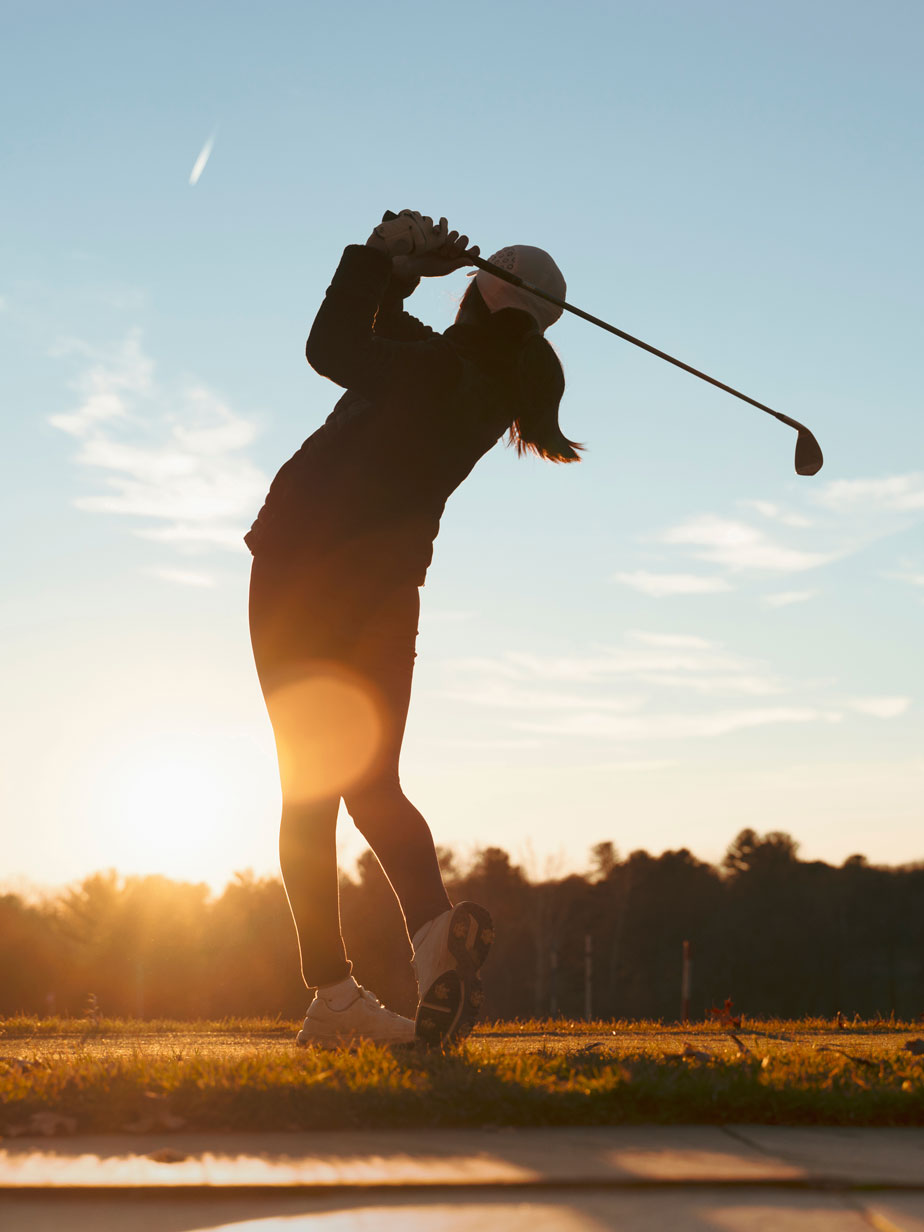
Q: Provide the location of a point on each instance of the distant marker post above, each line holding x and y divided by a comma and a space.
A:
588, 977
685, 980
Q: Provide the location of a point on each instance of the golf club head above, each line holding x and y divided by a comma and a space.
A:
809, 458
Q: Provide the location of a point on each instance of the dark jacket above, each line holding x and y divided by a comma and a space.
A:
421, 408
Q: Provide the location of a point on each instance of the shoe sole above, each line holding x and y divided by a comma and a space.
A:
450, 1007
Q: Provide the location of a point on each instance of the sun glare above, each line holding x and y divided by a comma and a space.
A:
330, 728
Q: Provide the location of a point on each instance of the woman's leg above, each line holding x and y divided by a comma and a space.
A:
308, 860
389, 822
283, 636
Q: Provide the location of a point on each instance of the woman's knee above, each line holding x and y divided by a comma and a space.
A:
308, 821
369, 801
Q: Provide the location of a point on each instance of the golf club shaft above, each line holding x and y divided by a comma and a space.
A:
516, 281
621, 333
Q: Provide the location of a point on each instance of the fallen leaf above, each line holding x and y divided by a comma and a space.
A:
725, 1015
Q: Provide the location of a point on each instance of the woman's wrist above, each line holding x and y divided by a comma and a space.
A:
402, 285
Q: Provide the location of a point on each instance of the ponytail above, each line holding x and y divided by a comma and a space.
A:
540, 384
536, 378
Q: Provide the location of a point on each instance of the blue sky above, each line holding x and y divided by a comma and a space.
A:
668, 642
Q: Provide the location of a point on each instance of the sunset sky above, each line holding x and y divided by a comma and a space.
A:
671, 641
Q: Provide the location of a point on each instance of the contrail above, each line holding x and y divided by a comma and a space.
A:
199, 165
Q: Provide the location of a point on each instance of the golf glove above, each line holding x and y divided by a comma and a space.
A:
411, 233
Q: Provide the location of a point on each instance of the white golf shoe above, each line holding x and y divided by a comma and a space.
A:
365, 1018
448, 952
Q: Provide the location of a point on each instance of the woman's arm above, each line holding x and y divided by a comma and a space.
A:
391, 320
343, 346
406, 272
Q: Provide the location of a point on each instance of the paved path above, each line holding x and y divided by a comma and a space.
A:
683, 1178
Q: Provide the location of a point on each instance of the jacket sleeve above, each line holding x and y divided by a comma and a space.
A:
345, 347
391, 320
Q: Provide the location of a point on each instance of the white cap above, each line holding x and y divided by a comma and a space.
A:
533, 265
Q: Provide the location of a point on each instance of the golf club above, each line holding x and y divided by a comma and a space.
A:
809, 458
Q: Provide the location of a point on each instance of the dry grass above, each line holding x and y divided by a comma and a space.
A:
104, 1076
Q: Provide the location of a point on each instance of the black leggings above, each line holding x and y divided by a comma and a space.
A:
335, 663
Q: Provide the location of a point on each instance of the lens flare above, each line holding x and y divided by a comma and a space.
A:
329, 729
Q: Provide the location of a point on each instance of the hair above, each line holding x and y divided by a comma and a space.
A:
537, 379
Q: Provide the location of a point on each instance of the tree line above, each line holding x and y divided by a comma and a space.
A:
779, 936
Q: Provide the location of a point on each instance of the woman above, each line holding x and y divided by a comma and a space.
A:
340, 548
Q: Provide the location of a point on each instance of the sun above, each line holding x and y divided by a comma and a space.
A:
165, 802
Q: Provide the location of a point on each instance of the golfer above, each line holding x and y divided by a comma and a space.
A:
340, 548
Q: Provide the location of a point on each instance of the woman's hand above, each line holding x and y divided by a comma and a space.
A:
451, 255
420, 248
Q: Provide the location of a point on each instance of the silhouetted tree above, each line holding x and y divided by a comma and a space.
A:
252, 952
779, 935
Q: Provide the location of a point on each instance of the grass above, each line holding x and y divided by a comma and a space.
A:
59, 1075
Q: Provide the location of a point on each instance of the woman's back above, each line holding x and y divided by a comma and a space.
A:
380, 469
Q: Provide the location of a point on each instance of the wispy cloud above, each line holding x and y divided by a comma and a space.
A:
654, 686
753, 685
183, 577
908, 576
646, 661
893, 492
501, 694
775, 513
880, 707
174, 457
447, 615
787, 597
107, 387
685, 641
682, 660
736, 545
204, 156
768, 538
451, 742
675, 726
661, 585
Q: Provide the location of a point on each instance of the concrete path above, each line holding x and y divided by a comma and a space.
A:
682, 1178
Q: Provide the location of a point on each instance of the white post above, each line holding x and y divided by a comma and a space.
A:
685, 977
588, 977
